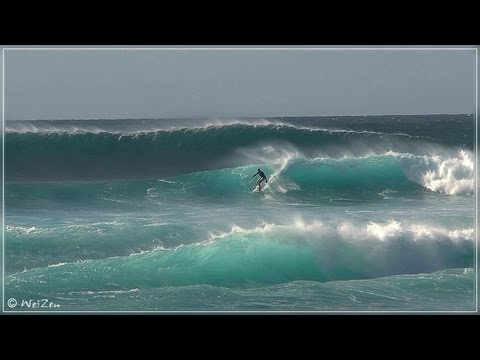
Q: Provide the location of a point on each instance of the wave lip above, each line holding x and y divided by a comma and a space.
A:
131, 127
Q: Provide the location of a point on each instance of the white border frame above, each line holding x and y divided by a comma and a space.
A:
241, 48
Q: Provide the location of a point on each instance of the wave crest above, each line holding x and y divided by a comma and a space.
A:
271, 254
34, 153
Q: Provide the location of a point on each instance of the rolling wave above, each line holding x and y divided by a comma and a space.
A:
266, 255
291, 175
78, 155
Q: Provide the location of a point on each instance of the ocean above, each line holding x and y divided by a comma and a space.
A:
360, 214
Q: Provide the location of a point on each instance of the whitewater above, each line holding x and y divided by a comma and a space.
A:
361, 213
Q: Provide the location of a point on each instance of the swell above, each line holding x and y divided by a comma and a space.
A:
105, 155
267, 255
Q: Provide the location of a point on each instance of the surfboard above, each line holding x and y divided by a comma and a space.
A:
257, 189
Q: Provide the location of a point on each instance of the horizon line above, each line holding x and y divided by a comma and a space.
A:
221, 117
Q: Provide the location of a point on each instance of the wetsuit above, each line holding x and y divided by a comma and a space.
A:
262, 177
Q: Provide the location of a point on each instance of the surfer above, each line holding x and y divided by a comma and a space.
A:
262, 177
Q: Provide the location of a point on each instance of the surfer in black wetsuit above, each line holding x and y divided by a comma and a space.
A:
262, 177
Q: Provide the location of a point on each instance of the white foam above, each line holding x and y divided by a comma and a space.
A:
278, 157
390, 231
451, 174
166, 181
24, 230
91, 126
152, 193
23, 127
385, 194
104, 292
87, 126
57, 265
383, 232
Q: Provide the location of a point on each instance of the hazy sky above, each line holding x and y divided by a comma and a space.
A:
93, 84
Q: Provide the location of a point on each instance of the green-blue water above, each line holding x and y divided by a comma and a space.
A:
359, 214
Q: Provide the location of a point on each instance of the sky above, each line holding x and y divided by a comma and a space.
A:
219, 83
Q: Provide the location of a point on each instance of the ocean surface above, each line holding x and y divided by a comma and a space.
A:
361, 213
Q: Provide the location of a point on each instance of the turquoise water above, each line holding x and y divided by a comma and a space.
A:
359, 214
